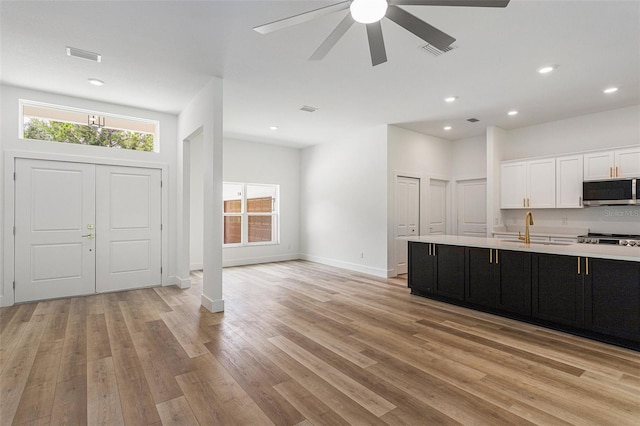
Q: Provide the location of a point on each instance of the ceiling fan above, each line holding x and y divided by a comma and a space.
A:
370, 12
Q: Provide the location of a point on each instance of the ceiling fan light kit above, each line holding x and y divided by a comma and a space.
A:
370, 13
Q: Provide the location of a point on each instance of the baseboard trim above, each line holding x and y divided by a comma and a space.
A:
212, 305
256, 260
180, 282
378, 272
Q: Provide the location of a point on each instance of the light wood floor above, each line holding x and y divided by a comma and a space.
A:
300, 344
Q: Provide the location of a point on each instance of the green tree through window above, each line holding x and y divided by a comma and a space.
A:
58, 131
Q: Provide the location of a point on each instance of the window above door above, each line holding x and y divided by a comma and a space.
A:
57, 123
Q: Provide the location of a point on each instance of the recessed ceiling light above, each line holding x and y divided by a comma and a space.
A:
447, 127
610, 90
513, 112
547, 69
96, 82
450, 99
273, 127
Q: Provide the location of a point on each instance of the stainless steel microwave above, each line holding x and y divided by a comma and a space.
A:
613, 192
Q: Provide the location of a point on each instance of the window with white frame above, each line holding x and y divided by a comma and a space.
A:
250, 214
72, 125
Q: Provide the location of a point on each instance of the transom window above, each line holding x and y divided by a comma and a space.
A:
250, 213
71, 125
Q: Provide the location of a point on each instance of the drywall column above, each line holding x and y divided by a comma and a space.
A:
202, 118
495, 139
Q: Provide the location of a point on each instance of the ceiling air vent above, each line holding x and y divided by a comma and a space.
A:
435, 51
307, 108
472, 120
83, 54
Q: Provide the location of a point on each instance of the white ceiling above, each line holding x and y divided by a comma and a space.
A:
158, 54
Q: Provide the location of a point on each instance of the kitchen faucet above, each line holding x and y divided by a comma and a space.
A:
528, 220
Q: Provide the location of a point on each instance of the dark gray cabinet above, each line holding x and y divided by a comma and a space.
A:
437, 269
612, 297
597, 298
558, 289
499, 279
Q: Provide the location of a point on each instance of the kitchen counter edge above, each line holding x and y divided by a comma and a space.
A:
603, 251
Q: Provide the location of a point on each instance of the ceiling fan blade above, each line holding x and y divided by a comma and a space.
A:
376, 44
428, 33
333, 38
302, 17
470, 3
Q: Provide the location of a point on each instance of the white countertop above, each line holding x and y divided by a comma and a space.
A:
603, 251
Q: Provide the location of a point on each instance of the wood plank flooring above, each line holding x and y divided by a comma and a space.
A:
300, 344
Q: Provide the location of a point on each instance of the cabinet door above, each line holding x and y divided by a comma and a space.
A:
541, 183
612, 298
558, 293
512, 274
569, 172
421, 268
598, 165
513, 185
480, 288
450, 271
627, 163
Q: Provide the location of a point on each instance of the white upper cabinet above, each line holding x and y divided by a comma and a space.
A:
528, 184
621, 163
569, 170
627, 163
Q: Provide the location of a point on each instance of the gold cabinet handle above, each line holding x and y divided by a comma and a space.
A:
586, 260
528, 202
610, 171
580, 201
524, 202
497, 261
429, 249
490, 255
616, 171
578, 265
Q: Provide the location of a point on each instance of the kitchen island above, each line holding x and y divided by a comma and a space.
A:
584, 289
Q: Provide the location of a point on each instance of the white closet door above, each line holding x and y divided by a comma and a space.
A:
407, 217
128, 211
472, 208
55, 209
438, 207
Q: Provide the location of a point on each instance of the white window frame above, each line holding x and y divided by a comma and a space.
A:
24, 102
244, 215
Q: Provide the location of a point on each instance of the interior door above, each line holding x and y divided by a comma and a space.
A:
472, 208
407, 217
55, 209
128, 228
437, 206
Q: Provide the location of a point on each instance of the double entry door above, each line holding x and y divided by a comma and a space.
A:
85, 228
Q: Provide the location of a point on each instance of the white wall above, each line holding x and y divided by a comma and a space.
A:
196, 213
344, 202
250, 162
12, 146
469, 158
609, 129
421, 156
605, 130
203, 117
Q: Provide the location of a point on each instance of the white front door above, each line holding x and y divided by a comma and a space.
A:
129, 235
472, 208
55, 210
85, 228
407, 217
437, 206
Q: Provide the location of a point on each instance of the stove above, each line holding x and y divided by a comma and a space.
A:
616, 239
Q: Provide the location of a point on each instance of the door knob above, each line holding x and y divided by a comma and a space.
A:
88, 235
